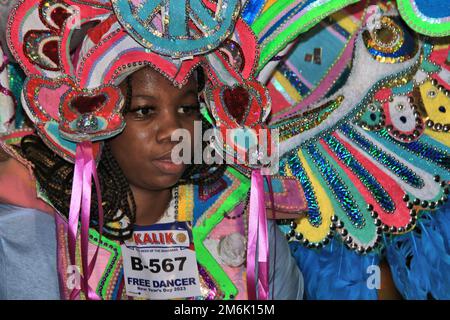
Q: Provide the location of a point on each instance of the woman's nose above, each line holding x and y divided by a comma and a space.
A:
167, 123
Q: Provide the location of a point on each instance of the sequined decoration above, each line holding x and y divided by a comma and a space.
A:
422, 149
208, 287
188, 27
233, 53
16, 78
340, 190
307, 120
314, 216
392, 43
293, 79
41, 48
368, 180
435, 97
114, 249
399, 169
372, 117
6, 118
252, 9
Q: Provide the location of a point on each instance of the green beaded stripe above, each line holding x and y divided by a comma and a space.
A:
204, 228
418, 24
113, 247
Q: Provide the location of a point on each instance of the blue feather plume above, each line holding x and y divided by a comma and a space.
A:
420, 260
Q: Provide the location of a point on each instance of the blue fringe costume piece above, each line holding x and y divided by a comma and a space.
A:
420, 260
419, 263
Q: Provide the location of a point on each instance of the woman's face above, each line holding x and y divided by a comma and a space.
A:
143, 149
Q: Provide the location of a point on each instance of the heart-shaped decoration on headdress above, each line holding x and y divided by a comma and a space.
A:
64, 114
91, 115
236, 102
85, 103
240, 112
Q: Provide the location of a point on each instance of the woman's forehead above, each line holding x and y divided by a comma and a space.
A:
149, 79
151, 74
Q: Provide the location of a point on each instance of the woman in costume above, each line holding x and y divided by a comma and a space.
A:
363, 130
152, 220
124, 185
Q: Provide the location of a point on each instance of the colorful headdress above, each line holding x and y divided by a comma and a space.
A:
394, 142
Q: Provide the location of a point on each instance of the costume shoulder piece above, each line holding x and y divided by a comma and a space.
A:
375, 152
364, 127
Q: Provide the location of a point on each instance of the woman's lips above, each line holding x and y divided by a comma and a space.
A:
168, 167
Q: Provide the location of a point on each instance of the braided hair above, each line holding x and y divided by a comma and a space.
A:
54, 176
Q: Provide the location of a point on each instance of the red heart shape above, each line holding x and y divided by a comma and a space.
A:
86, 104
236, 101
59, 15
50, 49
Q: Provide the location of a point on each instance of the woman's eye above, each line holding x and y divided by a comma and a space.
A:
189, 110
143, 112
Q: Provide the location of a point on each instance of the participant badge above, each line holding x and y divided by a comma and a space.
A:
159, 262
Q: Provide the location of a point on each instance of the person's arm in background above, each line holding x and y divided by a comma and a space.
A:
27, 237
28, 267
285, 278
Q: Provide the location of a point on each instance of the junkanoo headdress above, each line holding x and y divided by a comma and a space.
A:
76, 52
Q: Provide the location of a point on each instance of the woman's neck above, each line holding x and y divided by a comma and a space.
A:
150, 204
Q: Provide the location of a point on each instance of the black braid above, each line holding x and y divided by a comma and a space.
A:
55, 176
121, 196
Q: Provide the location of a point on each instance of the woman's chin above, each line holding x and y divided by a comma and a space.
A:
165, 181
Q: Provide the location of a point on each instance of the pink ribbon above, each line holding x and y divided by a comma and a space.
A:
84, 170
272, 204
257, 243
